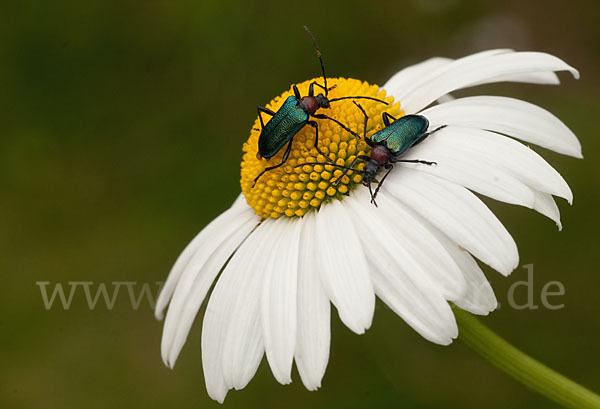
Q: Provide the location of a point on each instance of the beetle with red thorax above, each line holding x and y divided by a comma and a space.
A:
387, 147
295, 113
310, 104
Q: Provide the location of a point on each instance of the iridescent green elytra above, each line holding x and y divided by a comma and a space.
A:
286, 123
388, 145
401, 134
294, 115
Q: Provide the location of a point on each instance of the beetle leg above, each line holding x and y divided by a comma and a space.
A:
323, 87
426, 134
437, 129
389, 167
372, 197
424, 162
330, 164
323, 116
283, 160
316, 126
366, 119
386, 118
349, 168
311, 88
265, 111
296, 92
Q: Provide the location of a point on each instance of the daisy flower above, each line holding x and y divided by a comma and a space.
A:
296, 243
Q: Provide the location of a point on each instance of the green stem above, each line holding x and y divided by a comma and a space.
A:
525, 369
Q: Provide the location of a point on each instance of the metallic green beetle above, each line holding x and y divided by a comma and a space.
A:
387, 147
295, 114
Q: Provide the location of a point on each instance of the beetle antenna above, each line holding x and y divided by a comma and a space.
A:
330, 164
338, 179
371, 98
372, 197
318, 51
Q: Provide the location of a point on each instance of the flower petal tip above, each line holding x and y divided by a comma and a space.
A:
574, 72
358, 328
447, 341
218, 396
506, 271
168, 357
167, 363
283, 377
313, 387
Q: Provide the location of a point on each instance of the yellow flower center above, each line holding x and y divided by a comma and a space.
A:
293, 190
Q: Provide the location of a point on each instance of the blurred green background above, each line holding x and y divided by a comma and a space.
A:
121, 128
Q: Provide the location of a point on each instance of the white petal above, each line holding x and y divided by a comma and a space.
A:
479, 297
459, 214
427, 256
405, 77
471, 165
197, 278
542, 77
404, 80
433, 322
500, 151
278, 306
399, 280
509, 116
227, 336
545, 204
313, 337
222, 222
240, 200
344, 272
244, 345
475, 70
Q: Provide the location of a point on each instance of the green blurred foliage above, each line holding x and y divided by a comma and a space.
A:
121, 131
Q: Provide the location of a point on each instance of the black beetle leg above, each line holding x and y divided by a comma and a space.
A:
296, 92
323, 116
283, 160
372, 197
315, 125
265, 111
366, 119
426, 134
349, 168
386, 118
389, 167
323, 87
424, 162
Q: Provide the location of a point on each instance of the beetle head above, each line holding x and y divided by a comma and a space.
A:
370, 172
322, 100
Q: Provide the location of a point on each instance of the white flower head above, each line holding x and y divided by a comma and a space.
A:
297, 242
